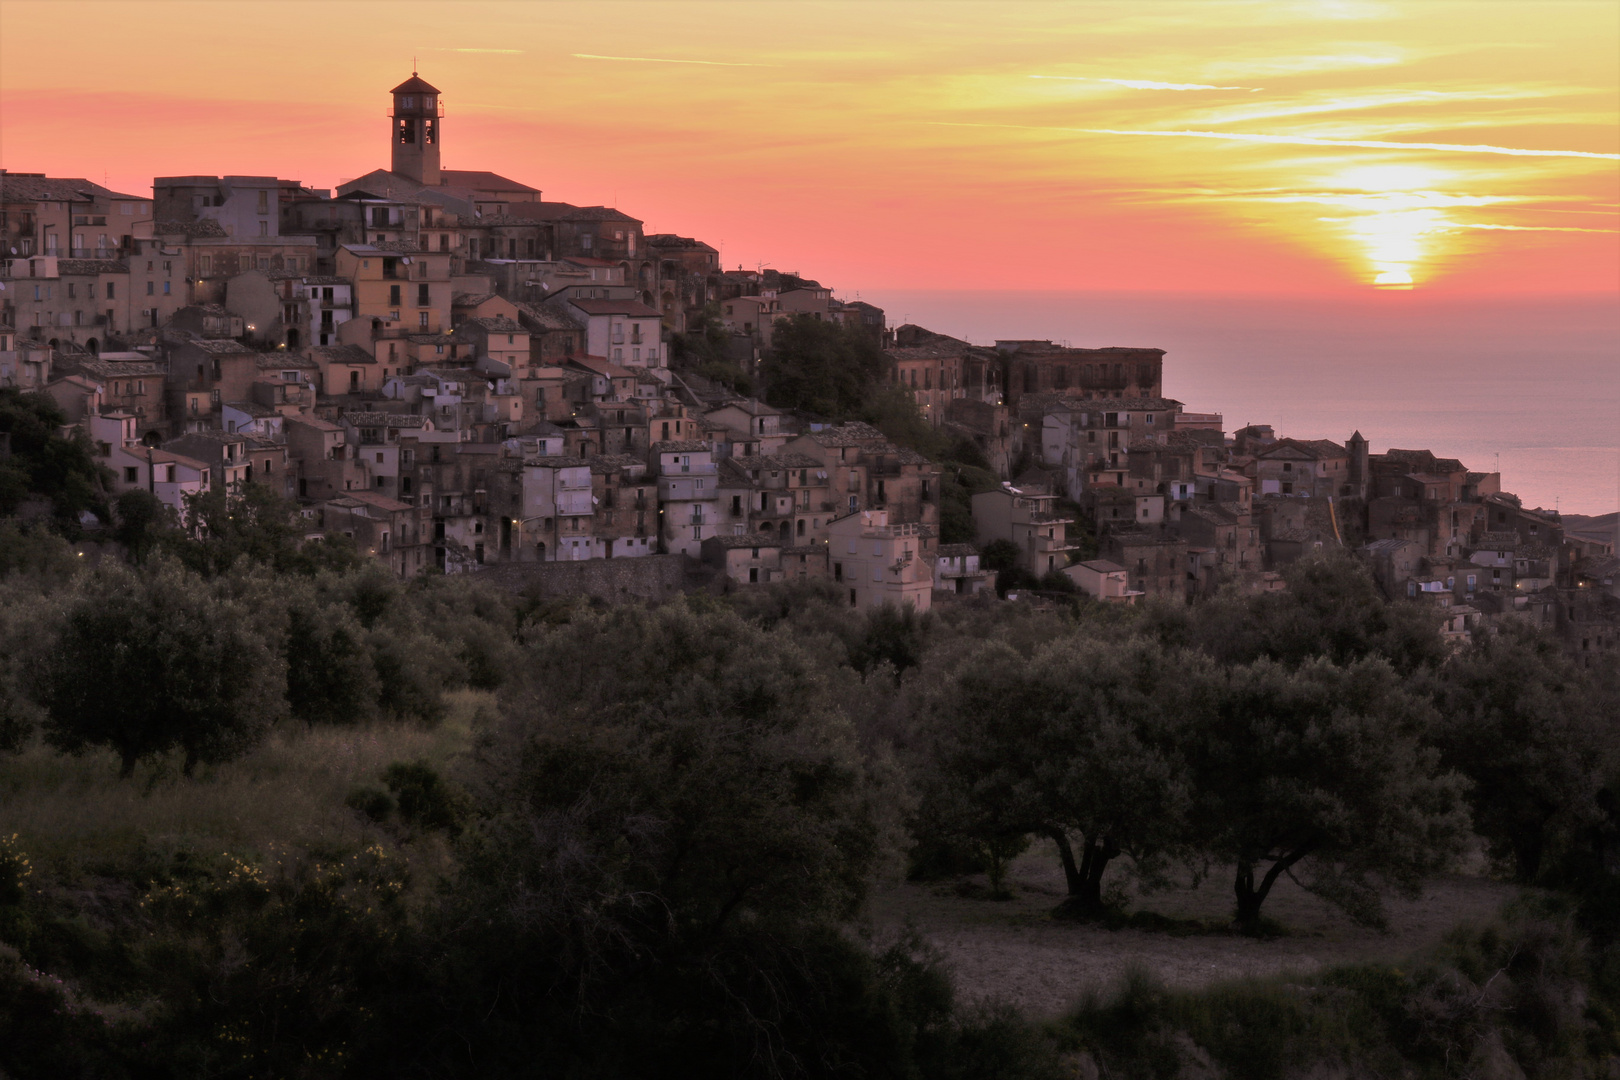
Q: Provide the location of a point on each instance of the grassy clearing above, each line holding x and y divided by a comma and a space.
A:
74, 815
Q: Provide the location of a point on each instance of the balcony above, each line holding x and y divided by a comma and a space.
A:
94, 253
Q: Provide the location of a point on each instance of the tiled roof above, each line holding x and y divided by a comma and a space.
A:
202, 229
956, 551
670, 240
496, 324
380, 502
1505, 540
633, 308
481, 180
120, 369
16, 187
252, 408
415, 85
86, 267
598, 213
854, 433
751, 540
680, 447
786, 459
546, 316
219, 346
382, 419
341, 354
277, 361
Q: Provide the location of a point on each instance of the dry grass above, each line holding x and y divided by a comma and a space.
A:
74, 814
1014, 951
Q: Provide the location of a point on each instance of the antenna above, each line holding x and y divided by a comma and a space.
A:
413, 65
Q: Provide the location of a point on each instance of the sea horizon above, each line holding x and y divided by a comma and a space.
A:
1528, 386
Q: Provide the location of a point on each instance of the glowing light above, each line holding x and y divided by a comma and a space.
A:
1393, 279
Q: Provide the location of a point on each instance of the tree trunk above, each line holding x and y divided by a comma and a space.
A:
126, 766
190, 765
1085, 880
1249, 896
1071, 873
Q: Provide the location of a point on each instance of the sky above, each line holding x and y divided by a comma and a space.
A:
1329, 148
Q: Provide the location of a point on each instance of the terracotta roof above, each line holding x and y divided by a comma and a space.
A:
680, 447
956, 551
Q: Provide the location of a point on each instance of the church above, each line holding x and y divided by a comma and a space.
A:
416, 134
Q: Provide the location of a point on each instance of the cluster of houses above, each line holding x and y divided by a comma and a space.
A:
457, 373
1180, 507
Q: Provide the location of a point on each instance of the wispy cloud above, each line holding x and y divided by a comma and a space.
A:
1527, 228
666, 60
1148, 84
1294, 140
1355, 103
1305, 65
1370, 144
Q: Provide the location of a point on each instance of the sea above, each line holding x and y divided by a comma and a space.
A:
1525, 386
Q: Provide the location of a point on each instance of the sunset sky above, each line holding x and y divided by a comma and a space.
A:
1313, 147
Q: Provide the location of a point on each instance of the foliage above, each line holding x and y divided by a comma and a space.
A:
1507, 999
42, 463
1326, 763
1076, 740
999, 555
142, 523
154, 660
822, 367
1539, 740
256, 524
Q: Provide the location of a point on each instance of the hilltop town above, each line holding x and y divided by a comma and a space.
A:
458, 375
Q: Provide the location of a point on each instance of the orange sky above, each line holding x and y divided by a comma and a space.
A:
909, 145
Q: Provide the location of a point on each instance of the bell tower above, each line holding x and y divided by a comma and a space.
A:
414, 130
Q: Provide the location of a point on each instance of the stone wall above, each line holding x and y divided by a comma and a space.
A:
651, 578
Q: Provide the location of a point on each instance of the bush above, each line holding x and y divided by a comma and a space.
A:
374, 803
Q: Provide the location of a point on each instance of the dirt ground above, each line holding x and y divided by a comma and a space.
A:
1014, 951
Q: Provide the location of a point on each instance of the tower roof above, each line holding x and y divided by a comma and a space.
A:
415, 85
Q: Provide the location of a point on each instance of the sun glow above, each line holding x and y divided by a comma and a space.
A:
1105, 144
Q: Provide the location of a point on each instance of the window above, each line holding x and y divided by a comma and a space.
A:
264, 228
165, 288
110, 295
151, 288
422, 320
132, 474
424, 297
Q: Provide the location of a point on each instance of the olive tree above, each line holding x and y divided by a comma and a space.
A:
147, 662
1326, 763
